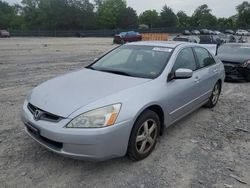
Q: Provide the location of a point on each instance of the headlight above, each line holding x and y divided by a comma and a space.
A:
101, 117
246, 63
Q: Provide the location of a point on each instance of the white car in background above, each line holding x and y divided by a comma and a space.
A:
242, 32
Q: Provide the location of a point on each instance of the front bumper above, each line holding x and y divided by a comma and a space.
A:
88, 144
235, 72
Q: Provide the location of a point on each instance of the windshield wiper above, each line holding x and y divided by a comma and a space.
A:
116, 72
89, 67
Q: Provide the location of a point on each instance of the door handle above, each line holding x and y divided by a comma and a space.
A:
197, 79
215, 70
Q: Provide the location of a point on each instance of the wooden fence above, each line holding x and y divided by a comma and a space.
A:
155, 36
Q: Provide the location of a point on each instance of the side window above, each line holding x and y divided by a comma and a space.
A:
185, 59
131, 34
204, 57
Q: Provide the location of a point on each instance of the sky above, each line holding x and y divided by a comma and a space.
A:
220, 8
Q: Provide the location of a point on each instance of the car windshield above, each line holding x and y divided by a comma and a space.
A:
234, 49
135, 61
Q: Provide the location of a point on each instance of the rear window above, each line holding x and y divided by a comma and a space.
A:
204, 57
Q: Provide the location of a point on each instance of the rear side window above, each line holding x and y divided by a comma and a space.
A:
185, 59
204, 57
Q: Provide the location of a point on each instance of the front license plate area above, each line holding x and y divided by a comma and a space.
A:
32, 129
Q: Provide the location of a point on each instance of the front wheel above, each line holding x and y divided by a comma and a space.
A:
214, 96
144, 135
248, 78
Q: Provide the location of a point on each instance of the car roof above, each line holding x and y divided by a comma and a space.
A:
167, 44
237, 44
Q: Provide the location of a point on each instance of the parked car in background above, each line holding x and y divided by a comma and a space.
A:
4, 34
186, 32
236, 59
242, 32
193, 39
229, 31
210, 32
196, 32
130, 36
210, 39
242, 39
80, 34
217, 32
204, 32
120, 104
227, 38
143, 26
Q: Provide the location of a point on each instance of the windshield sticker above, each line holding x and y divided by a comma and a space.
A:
245, 47
162, 49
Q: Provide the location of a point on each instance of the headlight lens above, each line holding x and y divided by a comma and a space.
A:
246, 63
101, 117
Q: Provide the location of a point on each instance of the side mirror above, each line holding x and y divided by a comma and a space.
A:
183, 74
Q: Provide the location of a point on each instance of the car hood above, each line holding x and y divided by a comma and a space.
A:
233, 58
65, 94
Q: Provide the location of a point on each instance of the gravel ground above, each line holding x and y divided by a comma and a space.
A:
209, 148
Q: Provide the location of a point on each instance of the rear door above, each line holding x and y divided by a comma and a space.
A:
207, 73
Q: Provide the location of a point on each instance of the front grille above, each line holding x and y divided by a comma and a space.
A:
231, 68
43, 114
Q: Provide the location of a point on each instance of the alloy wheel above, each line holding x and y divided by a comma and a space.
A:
216, 94
146, 136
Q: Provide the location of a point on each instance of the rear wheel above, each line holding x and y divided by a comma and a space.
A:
214, 96
144, 135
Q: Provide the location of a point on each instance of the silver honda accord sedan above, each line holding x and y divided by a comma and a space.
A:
121, 103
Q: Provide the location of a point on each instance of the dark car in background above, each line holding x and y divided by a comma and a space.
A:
228, 38
210, 32
196, 32
229, 31
186, 32
4, 34
236, 60
205, 32
210, 39
193, 39
130, 36
80, 34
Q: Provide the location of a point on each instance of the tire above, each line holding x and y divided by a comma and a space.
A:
248, 78
141, 141
214, 96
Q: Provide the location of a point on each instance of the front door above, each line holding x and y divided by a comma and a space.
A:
182, 93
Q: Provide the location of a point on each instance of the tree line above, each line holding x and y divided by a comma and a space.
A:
109, 14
